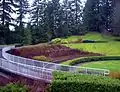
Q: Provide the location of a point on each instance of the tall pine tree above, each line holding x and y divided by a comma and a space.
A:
6, 9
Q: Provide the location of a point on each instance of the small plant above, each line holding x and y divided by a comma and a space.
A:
64, 42
56, 41
79, 40
13, 88
42, 58
115, 75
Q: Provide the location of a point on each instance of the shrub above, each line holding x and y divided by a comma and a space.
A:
67, 82
93, 58
88, 41
57, 40
13, 88
79, 40
64, 42
92, 41
42, 58
115, 75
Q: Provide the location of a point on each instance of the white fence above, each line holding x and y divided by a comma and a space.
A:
52, 66
26, 70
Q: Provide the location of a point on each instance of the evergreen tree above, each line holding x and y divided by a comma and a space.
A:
22, 11
6, 9
98, 15
75, 15
90, 15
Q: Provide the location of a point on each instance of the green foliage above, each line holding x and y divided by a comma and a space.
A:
42, 58
67, 82
27, 36
97, 15
91, 59
13, 88
112, 65
59, 41
56, 40
67, 40
112, 48
22, 11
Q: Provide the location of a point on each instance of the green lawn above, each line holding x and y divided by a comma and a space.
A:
92, 36
110, 65
110, 48
98, 36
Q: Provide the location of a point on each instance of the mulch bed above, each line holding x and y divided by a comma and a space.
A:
57, 53
33, 85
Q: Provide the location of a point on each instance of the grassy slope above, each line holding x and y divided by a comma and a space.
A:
111, 65
110, 48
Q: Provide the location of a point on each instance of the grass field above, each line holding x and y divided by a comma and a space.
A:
109, 48
92, 36
111, 65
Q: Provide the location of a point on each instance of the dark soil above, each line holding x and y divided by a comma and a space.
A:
33, 85
57, 53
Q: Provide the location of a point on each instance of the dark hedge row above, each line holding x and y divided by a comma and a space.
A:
67, 82
94, 58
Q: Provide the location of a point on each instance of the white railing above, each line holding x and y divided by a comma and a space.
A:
52, 66
26, 70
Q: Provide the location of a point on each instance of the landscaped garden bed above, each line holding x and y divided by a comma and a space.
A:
54, 53
67, 82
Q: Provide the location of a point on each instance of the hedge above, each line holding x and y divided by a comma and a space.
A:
13, 88
93, 58
67, 82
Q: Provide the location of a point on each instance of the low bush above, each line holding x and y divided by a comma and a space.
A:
67, 82
79, 40
92, 41
42, 58
56, 41
93, 58
88, 41
13, 88
64, 42
115, 75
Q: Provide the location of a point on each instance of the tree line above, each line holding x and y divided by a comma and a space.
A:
52, 19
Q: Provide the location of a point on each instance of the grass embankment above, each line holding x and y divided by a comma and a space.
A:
109, 49
112, 65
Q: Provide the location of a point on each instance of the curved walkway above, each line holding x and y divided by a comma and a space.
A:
38, 69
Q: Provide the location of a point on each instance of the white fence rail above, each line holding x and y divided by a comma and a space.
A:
52, 66
26, 70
